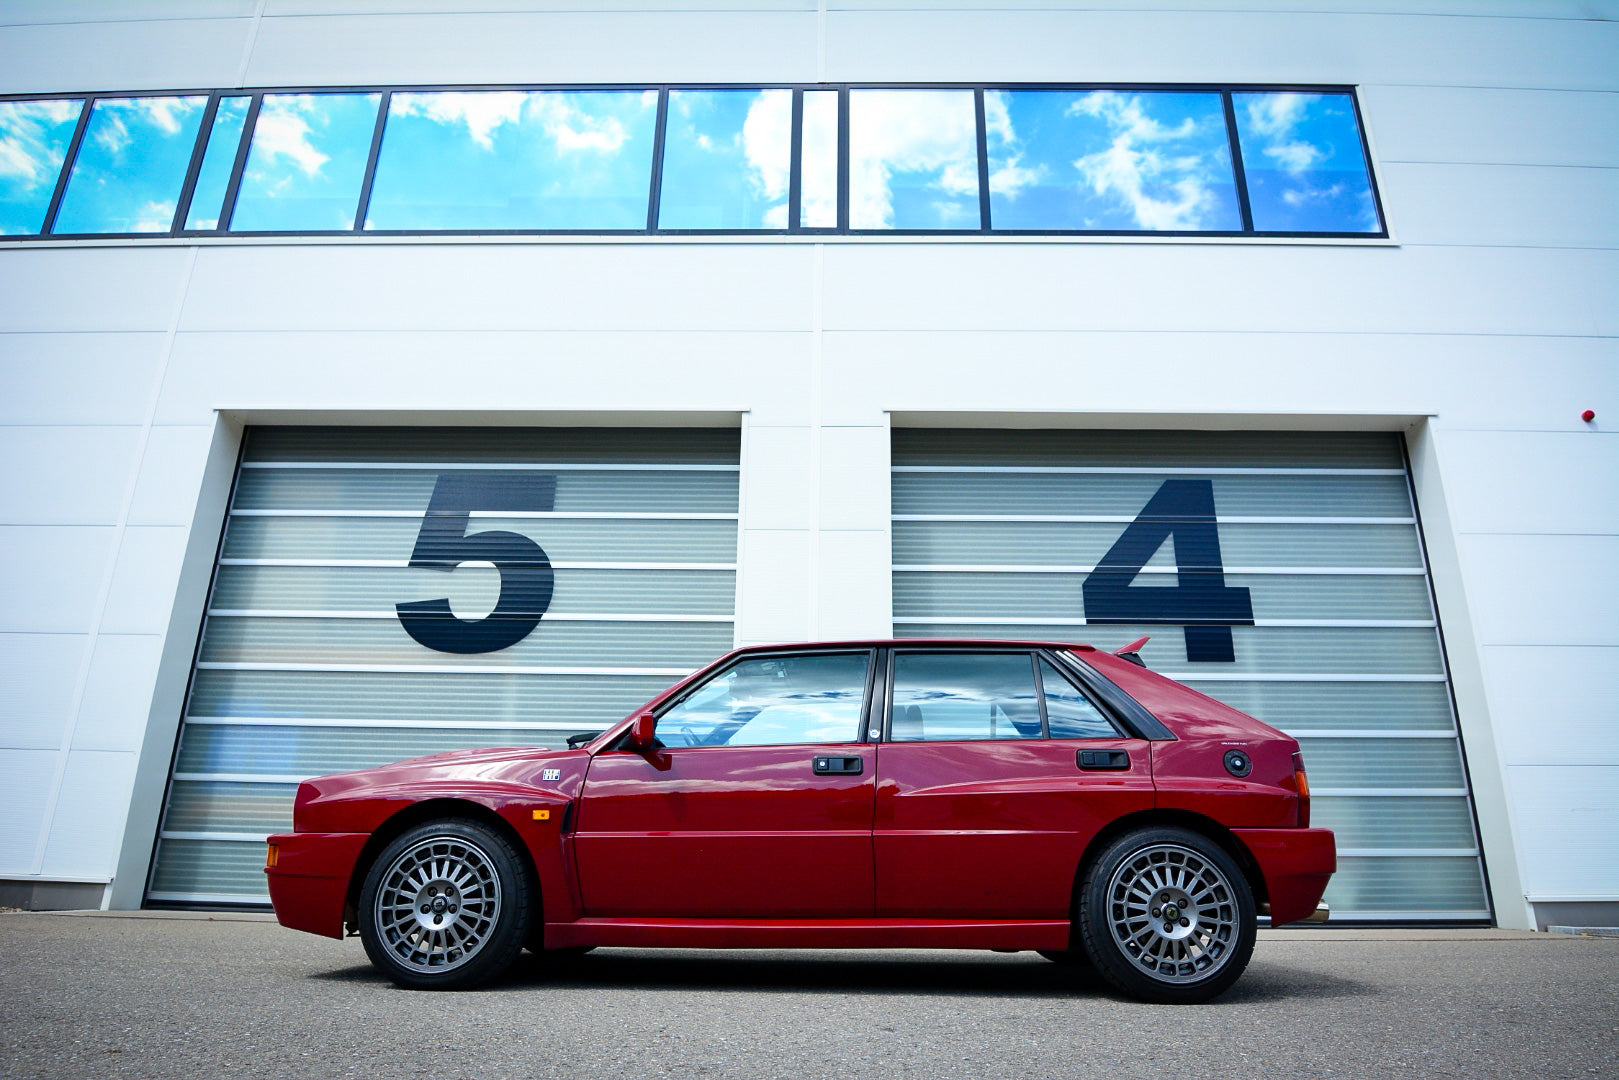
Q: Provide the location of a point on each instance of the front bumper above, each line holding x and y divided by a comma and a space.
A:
309, 882
1296, 865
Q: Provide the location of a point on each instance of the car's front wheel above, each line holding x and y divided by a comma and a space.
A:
445, 906
1167, 916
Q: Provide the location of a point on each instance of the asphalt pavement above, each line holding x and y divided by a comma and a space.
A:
183, 995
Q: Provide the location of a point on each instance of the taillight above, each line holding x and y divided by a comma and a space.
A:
1301, 784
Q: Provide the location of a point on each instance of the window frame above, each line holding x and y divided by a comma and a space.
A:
864, 732
795, 192
988, 649
1042, 660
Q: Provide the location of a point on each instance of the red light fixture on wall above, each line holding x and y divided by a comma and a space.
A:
1588, 415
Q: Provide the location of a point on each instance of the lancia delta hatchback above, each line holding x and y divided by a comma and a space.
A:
888, 794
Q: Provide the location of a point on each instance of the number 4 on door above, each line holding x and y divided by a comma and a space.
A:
1201, 601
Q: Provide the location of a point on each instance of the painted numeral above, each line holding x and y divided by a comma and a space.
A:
1201, 601
526, 578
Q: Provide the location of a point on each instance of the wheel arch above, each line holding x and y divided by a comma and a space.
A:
1186, 819
433, 810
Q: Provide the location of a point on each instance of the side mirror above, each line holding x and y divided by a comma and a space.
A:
642, 734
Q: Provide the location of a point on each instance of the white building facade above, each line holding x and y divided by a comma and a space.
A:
1025, 316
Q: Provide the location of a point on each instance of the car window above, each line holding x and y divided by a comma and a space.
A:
772, 701
941, 697
1069, 713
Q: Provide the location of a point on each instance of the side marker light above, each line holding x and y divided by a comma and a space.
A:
542, 815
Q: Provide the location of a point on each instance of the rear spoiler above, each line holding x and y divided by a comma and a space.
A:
1132, 652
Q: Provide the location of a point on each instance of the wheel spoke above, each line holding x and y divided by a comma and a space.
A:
460, 875
1198, 941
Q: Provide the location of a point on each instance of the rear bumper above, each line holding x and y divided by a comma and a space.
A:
1296, 864
310, 880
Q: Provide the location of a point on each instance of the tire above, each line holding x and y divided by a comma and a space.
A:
477, 900
1211, 924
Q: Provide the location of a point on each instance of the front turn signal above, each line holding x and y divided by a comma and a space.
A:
270, 856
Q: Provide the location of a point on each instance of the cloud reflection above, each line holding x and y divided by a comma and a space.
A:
515, 160
33, 144
1109, 161
1131, 164
131, 165
480, 113
727, 159
913, 159
1305, 166
306, 162
283, 133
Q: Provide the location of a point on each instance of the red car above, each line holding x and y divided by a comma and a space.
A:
888, 794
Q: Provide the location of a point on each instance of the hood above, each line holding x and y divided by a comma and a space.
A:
455, 770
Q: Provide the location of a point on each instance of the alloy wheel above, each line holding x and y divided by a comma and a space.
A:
437, 904
1173, 913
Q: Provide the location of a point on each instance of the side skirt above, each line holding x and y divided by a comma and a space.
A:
811, 933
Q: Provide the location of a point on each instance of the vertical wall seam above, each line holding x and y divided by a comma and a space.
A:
98, 612
816, 490
251, 43
820, 40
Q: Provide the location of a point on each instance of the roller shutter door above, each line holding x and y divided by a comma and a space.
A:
591, 568
1280, 572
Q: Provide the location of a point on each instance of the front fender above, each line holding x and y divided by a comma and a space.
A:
343, 822
538, 820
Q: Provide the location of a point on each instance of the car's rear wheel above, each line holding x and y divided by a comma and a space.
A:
445, 906
1167, 916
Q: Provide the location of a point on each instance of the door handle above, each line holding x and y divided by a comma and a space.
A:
1090, 760
839, 766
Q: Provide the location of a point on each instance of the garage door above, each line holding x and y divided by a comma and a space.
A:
387, 593
1280, 572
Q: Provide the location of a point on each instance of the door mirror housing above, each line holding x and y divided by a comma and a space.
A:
642, 735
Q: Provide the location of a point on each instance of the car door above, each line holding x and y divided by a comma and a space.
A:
995, 772
757, 802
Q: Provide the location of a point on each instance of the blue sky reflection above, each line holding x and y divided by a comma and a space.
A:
131, 165
1106, 160
515, 160
217, 161
306, 163
34, 136
1305, 167
913, 159
726, 158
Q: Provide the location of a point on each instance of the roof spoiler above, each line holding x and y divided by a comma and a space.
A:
1132, 652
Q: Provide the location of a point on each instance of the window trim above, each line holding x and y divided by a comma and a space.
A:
1134, 717
989, 648
863, 731
1040, 660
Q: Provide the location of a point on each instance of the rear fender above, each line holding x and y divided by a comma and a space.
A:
1296, 864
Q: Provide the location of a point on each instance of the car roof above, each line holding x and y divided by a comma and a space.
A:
930, 643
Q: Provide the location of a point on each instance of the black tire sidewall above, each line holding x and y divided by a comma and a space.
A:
1092, 923
511, 928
